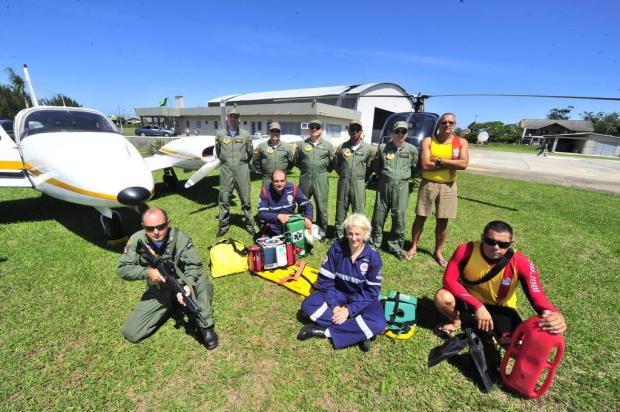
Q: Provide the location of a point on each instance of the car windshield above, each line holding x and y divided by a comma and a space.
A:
46, 121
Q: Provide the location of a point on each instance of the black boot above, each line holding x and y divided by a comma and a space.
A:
209, 337
311, 331
222, 231
365, 345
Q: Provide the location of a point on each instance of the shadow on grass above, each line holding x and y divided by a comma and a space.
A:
427, 315
81, 220
488, 204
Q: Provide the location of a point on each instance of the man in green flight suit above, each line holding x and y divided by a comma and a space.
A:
394, 163
273, 154
353, 159
315, 160
158, 303
234, 149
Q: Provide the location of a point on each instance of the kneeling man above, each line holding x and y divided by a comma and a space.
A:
158, 303
278, 201
481, 278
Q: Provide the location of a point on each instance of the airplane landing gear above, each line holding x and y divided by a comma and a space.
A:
112, 227
170, 179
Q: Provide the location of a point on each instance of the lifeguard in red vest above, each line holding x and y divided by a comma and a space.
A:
481, 278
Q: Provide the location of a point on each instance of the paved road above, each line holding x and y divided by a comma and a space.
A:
586, 173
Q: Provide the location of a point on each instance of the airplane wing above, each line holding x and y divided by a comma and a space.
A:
12, 173
158, 161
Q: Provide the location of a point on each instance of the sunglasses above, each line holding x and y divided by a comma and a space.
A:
274, 131
400, 131
154, 228
493, 242
447, 123
355, 129
315, 127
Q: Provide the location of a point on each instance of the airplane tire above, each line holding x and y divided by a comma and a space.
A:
170, 180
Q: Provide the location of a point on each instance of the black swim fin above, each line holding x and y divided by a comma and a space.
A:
448, 349
476, 351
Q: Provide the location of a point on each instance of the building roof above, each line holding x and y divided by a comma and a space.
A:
355, 89
573, 125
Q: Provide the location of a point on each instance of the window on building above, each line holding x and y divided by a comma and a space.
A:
333, 130
215, 124
291, 128
259, 126
245, 122
198, 124
187, 124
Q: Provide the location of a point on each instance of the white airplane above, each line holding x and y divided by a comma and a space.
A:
77, 155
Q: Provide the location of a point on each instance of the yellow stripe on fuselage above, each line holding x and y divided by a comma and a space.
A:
72, 188
11, 165
172, 152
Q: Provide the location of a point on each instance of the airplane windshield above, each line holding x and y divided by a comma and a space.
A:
47, 121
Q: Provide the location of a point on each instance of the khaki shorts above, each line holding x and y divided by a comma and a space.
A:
443, 195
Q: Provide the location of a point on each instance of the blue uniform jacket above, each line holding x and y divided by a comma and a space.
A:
359, 281
271, 204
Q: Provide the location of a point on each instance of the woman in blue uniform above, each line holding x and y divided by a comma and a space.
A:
345, 306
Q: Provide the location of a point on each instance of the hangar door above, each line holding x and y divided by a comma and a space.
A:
605, 148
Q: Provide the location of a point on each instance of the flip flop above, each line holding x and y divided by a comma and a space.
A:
441, 331
441, 261
410, 256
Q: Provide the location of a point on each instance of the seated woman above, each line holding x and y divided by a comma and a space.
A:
345, 306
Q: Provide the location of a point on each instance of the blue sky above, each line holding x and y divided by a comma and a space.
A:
125, 54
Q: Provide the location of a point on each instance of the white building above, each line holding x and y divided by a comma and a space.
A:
335, 106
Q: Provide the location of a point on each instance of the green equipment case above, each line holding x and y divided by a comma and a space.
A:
294, 230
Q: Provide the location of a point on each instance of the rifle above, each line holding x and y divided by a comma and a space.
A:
168, 271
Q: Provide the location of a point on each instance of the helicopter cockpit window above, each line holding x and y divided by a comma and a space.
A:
50, 121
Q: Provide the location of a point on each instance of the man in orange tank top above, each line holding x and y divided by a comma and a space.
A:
440, 157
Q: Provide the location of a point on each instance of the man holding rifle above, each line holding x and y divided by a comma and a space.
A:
161, 242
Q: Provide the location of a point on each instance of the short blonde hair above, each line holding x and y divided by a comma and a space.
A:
358, 220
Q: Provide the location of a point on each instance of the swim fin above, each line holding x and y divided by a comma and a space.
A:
448, 349
476, 351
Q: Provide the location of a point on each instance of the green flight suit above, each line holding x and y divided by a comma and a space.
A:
395, 167
351, 166
234, 153
268, 158
158, 302
315, 163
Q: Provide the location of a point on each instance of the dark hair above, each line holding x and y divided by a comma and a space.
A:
498, 226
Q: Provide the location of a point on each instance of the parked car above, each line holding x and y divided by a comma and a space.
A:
154, 131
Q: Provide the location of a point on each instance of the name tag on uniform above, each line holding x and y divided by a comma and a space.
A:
238, 140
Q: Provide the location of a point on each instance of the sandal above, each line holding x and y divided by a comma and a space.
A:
441, 261
443, 332
410, 256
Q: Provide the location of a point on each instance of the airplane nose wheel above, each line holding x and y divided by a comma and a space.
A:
170, 179
112, 228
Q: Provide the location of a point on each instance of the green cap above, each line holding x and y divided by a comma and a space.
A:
233, 110
317, 122
355, 123
274, 125
400, 125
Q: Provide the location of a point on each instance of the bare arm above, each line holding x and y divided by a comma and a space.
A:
425, 155
463, 160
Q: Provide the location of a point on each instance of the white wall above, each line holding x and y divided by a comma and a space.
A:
366, 105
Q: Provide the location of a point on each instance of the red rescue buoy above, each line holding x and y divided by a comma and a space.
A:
532, 371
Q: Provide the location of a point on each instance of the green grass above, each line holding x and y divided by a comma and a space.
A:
62, 306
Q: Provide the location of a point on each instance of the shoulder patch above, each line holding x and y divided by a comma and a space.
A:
127, 245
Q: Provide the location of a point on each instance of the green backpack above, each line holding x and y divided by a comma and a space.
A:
400, 314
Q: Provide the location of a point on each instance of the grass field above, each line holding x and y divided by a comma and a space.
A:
62, 306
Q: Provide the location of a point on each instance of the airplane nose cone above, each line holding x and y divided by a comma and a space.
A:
133, 196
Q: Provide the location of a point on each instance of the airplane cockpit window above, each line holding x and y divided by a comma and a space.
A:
50, 121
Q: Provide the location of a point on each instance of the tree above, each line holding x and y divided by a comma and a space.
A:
498, 131
12, 96
559, 114
60, 100
604, 123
